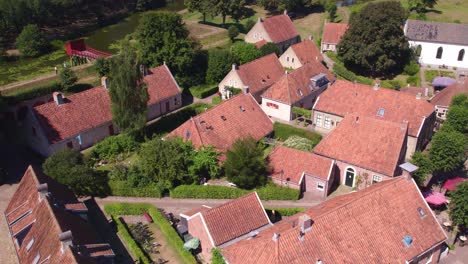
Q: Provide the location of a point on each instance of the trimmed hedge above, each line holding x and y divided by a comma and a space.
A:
216, 256
287, 211
268, 192
34, 92
133, 246
283, 132
340, 70
166, 228
122, 188
216, 100
204, 90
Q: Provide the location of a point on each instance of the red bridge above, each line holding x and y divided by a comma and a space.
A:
78, 48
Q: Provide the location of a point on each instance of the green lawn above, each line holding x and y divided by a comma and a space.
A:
283, 132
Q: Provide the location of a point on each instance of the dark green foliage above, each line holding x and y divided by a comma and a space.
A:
269, 48
330, 6
34, 92
340, 70
287, 211
133, 246
123, 188
411, 69
375, 44
414, 80
31, 42
143, 236
457, 117
129, 96
57, 165
245, 52
459, 205
219, 64
421, 6
249, 25
102, 66
204, 164
203, 6
216, 100
228, 8
111, 147
245, 165
460, 100
67, 78
216, 257
283, 132
425, 167
448, 149
391, 84
233, 32
203, 91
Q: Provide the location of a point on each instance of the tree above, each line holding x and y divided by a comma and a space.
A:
459, 205
228, 7
102, 66
457, 117
67, 78
245, 52
203, 6
233, 32
269, 48
425, 167
204, 163
420, 6
460, 100
219, 64
330, 6
129, 95
245, 165
373, 47
448, 149
31, 42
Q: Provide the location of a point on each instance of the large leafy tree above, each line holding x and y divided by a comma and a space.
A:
375, 44
245, 52
459, 205
245, 165
203, 6
128, 93
448, 149
204, 163
420, 6
31, 41
425, 167
67, 78
229, 8
219, 64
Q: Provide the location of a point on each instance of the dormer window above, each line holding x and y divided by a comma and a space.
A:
421, 212
29, 245
381, 112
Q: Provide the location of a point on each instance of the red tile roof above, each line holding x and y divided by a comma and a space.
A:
413, 90
280, 28
307, 52
223, 124
235, 218
366, 142
286, 89
260, 43
292, 163
260, 73
345, 97
333, 32
444, 97
91, 108
47, 219
368, 226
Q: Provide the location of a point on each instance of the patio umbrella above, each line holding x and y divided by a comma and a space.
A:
435, 198
443, 81
193, 243
451, 184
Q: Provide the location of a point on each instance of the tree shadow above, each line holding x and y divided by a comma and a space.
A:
80, 87
435, 11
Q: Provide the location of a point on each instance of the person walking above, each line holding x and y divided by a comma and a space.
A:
56, 70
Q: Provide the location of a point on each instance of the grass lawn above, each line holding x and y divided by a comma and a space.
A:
283, 132
431, 74
203, 90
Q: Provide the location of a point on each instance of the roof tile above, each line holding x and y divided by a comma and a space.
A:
333, 32
280, 28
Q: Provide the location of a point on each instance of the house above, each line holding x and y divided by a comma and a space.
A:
255, 76
226, 224
345, 97
298, 88
389, 222
442, 100
80, 120
220, 126
277, 29
332, 34
300, 54
366, 150
437, 43
47, 224
302, 170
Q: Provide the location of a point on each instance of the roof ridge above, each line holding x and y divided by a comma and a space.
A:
257, 59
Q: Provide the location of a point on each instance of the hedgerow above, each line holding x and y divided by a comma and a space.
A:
133, 246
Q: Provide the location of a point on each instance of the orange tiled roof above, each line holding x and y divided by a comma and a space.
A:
223, 124
444, 97
260, 43
91, 108
345, 97
307, 52
286, 89
292, 163
280, 28
366, 142
368, 226
333, 32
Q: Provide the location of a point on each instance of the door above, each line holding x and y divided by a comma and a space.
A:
167, 107
349, 177
111, 130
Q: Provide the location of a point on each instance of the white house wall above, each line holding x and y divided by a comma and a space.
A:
449, 54
283, 112
232, 79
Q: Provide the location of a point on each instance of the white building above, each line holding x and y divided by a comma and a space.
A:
441, 44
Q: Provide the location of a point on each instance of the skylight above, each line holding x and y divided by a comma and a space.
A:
408, 241
187, 135
421, 212
381, 112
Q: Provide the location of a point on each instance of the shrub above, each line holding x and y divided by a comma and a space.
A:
431, 74
204, 90
233, 32
287, 211
216, 257
123, 188
299, 143
112, 146
67, 78
274, 192
411, 69
31, 42
414, 80
391, 84
249, 25
283, 132
102, 66
133, 246
216, 100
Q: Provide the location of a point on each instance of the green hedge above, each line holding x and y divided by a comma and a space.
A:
168, 231
392, 84
112, 146
204, 90
283, 132
34, 92
287, 211
133, 246
268, 192
216, 100
122, 188
216, 256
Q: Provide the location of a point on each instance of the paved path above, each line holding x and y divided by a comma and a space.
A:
328, 61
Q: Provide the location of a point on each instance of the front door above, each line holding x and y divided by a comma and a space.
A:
167, 107
349, 178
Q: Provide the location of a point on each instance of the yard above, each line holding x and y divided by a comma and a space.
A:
431, 74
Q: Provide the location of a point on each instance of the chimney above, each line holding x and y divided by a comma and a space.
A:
43, 190
105, 82
376, 86
285, 12
286, 72
311, 37
418, 96
275, 237
426, 92
408, 169
67, 240
246, 90
305, 223
234, 67
357, 119
319, 261
58, 98
260, 20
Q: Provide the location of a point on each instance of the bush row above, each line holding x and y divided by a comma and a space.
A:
123, 188
34, 92
283, 132
112, 146
287, 211
268, 192
133, 246
204, 90
341, 71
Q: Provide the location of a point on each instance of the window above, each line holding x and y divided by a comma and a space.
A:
328, 46
292, 60
376, 179
34, 131
36, 259
22, 235
439, 53
287, 59
319, 120
69, 144
272, 105
461, 54
429, 260
175, 101
327, 122
255, 35
421, 212
29, 245
337, 123
320, 186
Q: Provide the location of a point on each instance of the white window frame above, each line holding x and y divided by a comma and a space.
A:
430, 259
378, 177
318, 120
327, 122
320, 186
